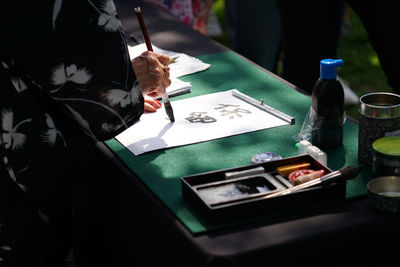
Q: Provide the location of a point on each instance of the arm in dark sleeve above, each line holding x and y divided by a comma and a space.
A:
75, 51
57, 58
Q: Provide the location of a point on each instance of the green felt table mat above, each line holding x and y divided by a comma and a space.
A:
161, 170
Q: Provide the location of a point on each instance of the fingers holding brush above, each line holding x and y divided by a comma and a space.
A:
152, 74
163, 60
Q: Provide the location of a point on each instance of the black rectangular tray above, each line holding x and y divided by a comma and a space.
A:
198, 189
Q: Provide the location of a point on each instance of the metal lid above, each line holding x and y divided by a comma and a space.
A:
380, 105
389, 145
384, 193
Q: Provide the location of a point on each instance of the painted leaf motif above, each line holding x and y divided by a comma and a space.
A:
56, 10
43, 216
3, 248
49, 121
5, 65
16, 81
6, 249
19, 84
12, 174
80, 119
82, 122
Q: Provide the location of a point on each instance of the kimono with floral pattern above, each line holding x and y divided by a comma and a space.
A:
193, 13
66, 81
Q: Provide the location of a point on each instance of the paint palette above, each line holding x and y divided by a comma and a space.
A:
238, 192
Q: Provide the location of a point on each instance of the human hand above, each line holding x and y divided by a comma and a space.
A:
151, 104
152, 72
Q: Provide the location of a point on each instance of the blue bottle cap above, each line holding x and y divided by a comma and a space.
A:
265, 157
328, 68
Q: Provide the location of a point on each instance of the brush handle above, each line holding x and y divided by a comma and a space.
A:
343, 174
146, 37
336, 176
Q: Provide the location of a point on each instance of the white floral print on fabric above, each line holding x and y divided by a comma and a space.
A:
61, 75
19, 84
182, 9
108, 17
31, 133
3, 248
116, 97
78, 117
16, 81
82, 122
11, 138
56, 9
13, 175
49, 136
5, 65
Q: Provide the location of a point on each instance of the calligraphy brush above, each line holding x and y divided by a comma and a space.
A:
336, 176
165, 99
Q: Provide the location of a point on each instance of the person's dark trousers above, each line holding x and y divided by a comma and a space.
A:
310, 33
380, 19
255, 31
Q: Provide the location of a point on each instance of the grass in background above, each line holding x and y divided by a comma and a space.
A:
361, 64
361, 68
219, 10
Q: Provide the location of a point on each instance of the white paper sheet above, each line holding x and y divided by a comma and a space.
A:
178, 87
183, 65
197, 119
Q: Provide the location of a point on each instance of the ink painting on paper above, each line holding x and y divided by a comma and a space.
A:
197, 119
